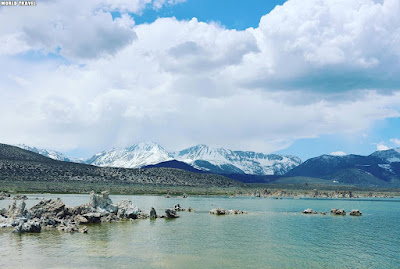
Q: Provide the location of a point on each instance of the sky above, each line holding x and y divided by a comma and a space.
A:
299, 77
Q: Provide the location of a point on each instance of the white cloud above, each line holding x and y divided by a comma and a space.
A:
381, 147
181, 83
338, 153
395, 141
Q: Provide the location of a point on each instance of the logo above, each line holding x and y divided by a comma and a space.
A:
18, 3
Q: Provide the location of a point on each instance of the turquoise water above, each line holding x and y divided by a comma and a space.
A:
273, 235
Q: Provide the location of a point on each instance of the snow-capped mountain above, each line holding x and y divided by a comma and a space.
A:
135, 156
390, 155
202, 157
55, 155
225, 161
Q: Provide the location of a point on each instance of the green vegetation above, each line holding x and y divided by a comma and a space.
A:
266, 189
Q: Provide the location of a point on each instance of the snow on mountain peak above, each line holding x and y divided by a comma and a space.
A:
227, 161
135, 156
203, 157
55, 155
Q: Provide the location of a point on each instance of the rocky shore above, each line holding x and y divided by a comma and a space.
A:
315, 193
55, 214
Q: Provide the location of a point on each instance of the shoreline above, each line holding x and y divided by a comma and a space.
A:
251, 190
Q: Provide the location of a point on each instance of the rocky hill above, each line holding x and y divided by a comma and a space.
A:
351, 169
17, 164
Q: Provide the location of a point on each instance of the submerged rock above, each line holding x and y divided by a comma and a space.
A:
28, 227
190, 209
80, 219
221, 211
68, 228
92, 217
236, 212
153, 213
171, 214
355, 212
218, 211
20, 197
340, 212
179, 208
309, 211
4, 195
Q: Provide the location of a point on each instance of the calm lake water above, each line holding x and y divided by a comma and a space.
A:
273, 235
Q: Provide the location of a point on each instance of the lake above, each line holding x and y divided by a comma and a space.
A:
273, 235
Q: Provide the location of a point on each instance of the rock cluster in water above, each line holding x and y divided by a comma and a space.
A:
355, 212
311, 211
54, 214
221, 211
334, 211
340, 212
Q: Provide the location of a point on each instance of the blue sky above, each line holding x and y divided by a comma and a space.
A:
309, 78
232, 14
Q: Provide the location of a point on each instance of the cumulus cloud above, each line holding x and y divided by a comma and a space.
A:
300, 74
338, 153
329, 46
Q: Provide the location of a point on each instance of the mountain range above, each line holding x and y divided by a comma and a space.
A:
202, 157
381, 168
19, 165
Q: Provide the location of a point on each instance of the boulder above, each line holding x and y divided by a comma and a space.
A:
28, 227
153, 213
127, 210
83, 230
218, 211
190, 209
4, 195
15, 210
20, 197
171, 214
102, 201
48, 209
355, 212
109, 218
236, 212
340, 212
93, 217
221, 211
68, 227
80, 219
309, 211
80, 210
179, 208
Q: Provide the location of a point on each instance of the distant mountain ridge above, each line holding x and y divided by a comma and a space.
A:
20, 165
135, 156
52, 154
381, 168
202, 157
225, 161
